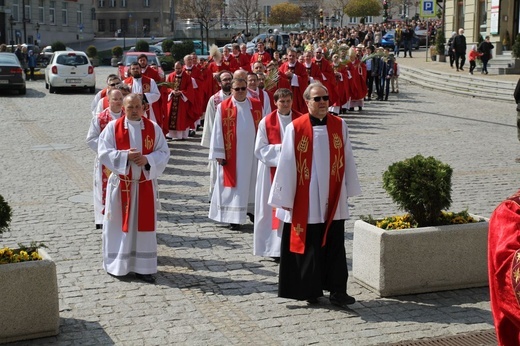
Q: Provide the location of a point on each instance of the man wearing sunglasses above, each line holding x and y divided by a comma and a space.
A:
232, 147
316, 174
112, 82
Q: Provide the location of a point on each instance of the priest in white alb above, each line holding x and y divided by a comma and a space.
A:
135, 150
267, 232
232, 146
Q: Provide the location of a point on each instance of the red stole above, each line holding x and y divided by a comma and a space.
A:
104, 118
274, 136
303, 142
229, 130
146, 200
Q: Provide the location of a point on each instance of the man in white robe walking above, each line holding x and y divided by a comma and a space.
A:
232, 146
101, 173
268, 229
135, 150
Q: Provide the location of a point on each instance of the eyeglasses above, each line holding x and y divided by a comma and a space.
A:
242, 89
319, 98
226, 80
113, 84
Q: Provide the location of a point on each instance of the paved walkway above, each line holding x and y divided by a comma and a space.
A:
210, 288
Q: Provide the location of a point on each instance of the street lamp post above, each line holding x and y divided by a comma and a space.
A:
37, 27
12, 22
24, 21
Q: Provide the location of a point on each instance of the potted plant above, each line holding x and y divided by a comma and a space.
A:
117, 53
92, 54
440, 45
433, 53
426, 250
29, 289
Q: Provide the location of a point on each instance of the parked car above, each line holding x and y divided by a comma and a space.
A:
12, 75
282, 41
46, 54
387, 41
70, 69
197, 45
154, 48
130, 57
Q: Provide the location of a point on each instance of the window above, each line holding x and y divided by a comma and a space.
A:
146, 3
41, 12
15, 10
124, 25
404, 11
352, 20
101, 3
112, 25
460, 15
267, 11
101, 25
28, 10
112, 3
369, 19
79, 14
64, 19
123, 3
52, 12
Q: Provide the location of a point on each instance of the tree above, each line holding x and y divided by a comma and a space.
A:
142, 46
310, 9
285, 13
338, 7
204, 11
244, 10
363, 8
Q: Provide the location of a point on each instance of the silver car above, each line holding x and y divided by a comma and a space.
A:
70, 69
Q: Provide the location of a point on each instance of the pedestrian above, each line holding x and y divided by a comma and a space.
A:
267, 228
232, 146
408, 35
459, 49
485, 48
451, 52
517, 99
398, 37
101, 173
504, 270
395, 78
31, 63
136, 152
316, 174
472, 56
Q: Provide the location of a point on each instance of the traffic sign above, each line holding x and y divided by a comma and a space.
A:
428, 8
38, 37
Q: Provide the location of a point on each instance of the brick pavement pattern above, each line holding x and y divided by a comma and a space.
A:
210, 288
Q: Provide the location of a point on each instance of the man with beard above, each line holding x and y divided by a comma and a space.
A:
146, 87
147, 70
224, 79
293, 76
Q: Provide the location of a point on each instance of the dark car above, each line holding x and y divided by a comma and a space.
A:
282, 42
12, 75
130, 57
387, 40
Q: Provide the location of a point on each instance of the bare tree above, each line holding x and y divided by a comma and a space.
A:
310, 9
338, 7
203, 11
245, 10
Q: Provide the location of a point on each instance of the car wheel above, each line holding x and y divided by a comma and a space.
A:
52, 89
22, 91
92, 90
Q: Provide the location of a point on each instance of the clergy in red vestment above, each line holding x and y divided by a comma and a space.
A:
327, 75
178, 103
228, 61
313, 71
504, 270
197, 80
243, 61
293, 75
147, 70
343, 77
261, 56
359, 88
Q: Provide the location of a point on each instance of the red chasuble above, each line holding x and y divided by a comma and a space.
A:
146, 201
274, 136
229, 130
504, 270
303, 148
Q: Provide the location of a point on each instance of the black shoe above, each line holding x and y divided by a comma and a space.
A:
234, 226
343, 111
251, 217
461, 69
351, 109
312, 301
276, 259
341, 299
386, 98
99, 226
145, 277
360, 108
517, 160
486, 72
191, 133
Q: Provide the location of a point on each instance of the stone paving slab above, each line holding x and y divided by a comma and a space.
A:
210, 288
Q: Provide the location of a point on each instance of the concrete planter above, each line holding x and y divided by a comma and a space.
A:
419, 260
29, 300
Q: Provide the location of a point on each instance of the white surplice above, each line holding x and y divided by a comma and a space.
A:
209, 119
231, 204
151, 96
132, 251
283, 190
266, 239
92, 141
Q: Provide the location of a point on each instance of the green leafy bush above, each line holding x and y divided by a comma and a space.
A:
57, 45
142, 46
91, 51
167, 62
440, 41
420, 186
179, 51
5, 215
516, 47
167, 45
117, 51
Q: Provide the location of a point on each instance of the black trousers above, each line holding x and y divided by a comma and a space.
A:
370, 84
305, 276
460, 59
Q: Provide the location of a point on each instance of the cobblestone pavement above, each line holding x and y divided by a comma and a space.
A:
210, 288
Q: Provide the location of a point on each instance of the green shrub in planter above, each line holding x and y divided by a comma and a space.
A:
58, 45
167, 62
91, 51
515, 51
167, 45
5, 215
420, 186
142, 46
117, 51
179, 51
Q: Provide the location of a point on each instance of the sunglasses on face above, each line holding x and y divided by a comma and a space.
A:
113, 84
242, 89
319, 98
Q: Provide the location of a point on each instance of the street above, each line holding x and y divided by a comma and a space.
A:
210, 288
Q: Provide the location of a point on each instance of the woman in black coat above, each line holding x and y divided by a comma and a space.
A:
485, 48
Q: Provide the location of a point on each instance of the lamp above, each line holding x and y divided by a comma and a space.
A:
12, 23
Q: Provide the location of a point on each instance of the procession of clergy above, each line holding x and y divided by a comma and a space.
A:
278, 154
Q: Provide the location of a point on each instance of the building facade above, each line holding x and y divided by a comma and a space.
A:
45, 21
